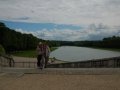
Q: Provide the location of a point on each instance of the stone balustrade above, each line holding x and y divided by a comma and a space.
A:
113, 62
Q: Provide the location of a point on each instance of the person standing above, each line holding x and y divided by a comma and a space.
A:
47, 54
46, 50
39, 54
43, 50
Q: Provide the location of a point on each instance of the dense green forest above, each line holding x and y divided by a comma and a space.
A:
110, 42
12, 40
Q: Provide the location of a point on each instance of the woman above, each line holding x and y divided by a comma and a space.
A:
39, 54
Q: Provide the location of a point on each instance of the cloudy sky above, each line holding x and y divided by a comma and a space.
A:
63, 19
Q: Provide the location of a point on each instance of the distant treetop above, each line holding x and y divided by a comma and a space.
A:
2, 24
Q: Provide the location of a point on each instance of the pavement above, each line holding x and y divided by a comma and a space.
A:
60, 79
64, 71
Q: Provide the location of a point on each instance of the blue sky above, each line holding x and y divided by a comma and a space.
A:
63, 19
38, 26
51, 31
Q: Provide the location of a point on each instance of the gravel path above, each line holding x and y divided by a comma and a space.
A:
26, 59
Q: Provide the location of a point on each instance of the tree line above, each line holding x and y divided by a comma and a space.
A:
109, 42
12, 40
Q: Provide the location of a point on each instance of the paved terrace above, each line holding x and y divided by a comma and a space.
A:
60, 79
64, 71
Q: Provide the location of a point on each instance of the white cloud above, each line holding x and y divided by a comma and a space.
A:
62, 11
77, 12
93, 32
23, 31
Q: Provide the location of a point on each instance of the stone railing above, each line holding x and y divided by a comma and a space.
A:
29, 64
6, 61
113, 62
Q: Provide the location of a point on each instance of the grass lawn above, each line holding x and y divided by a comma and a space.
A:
29, 53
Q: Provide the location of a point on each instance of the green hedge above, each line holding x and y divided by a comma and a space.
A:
2, 50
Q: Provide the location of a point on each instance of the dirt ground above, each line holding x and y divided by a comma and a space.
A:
60, 82
26, 59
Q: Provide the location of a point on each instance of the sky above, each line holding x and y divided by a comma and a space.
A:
71, 20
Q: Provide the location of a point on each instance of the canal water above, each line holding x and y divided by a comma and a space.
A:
72, 53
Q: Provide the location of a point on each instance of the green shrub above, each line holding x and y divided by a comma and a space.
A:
2, 50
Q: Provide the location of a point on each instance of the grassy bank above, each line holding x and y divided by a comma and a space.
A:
29, 53
53, 48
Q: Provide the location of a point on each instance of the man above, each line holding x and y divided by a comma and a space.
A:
43, 50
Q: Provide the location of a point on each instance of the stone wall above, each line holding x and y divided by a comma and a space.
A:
113, 62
